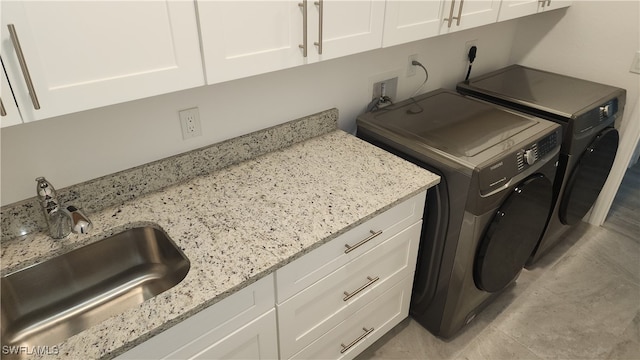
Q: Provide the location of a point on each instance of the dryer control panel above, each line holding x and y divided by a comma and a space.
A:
536, 151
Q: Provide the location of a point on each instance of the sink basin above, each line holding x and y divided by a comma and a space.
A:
46, 303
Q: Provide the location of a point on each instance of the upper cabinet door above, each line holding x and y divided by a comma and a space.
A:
511, 9
244, 38
87, 54
344, 27
554, 4
407, 21
466, 14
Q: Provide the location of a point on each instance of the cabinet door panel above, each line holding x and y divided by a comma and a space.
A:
246, 38
474, 13
256, 340
407, 21
349, 27
83, 55
511, 9
556, 4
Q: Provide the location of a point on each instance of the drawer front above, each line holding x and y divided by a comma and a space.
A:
312, 267
363, 328
317, 309
197, 333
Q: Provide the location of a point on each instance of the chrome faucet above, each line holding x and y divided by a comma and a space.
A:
61, 220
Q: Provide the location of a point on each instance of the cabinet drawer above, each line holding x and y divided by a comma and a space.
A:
213, 324
359, 331
312, 267
314, 311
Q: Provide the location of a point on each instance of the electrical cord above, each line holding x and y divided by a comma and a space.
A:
472, 56
426, 76
413, 110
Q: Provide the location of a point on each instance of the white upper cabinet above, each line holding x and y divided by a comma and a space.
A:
338, 27
407, 21
465, 14
511, 9
244, 38
86, 54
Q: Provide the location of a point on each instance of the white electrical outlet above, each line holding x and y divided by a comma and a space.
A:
190, 122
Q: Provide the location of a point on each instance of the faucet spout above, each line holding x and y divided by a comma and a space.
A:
61, 220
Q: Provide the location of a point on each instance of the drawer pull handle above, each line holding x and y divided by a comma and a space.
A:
351, 248
371, 281
345, 348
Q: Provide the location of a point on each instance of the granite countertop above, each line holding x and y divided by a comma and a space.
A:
236, 226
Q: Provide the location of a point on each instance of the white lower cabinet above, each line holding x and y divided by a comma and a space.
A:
319, 308
331, 303
240, 326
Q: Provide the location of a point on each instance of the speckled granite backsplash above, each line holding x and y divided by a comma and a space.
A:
26, 216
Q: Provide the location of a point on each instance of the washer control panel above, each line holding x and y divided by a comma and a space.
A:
527, 157
500, 171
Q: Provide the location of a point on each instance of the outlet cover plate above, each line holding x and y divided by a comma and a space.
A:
190, 123
467, 47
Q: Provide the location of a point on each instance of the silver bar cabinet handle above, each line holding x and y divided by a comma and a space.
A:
345, 348
320, 4
3, 111
358, 290
459, 13
303, 6
450, 19
549, 3
542, 2
362, 242
23, 66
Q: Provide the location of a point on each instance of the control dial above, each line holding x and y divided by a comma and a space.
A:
530, 156
605, 111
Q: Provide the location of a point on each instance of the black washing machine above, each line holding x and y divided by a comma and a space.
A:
484, 218
587, 112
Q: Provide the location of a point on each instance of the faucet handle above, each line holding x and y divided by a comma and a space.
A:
80, 223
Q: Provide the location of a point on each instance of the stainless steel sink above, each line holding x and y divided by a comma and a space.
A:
44, 304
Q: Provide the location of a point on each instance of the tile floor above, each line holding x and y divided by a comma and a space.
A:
581, 301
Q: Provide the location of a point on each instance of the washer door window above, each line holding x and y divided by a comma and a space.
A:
513, 234
588, 177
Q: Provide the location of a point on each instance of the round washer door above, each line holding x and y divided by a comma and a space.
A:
588, 177
513, 234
